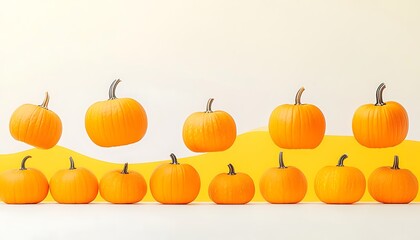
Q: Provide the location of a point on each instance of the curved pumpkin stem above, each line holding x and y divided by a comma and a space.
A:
341, 160
22, 165
72, 167
281, 162
125, 169
396, 163
231, 169
44, 104
299, 95
208, 107
174, 160
379, 93
112, 89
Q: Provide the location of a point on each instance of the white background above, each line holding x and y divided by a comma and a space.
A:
250, 55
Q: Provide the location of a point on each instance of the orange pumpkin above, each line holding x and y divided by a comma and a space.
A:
283, 184
298, 126
123, 186
380, 125
117, 121
209, 131
340, 184
231, 188
24, 185
74, 185
392, 184
36, 125
175, 183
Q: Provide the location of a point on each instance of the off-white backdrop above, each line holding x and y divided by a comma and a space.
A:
172, 56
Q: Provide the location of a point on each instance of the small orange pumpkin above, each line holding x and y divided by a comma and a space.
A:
174, 183
74, 185
392, 184
283, 184
231, 188
117, 121
24, 185
340, 184
36, 125
380, 125
123, 186
298, 126
209, 131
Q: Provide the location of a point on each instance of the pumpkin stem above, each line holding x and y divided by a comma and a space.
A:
341, 160
125, 169
379, 93
208, 108
72, 167
174, 160
22, 165
44, 104
231, 170
299, 95
396, 163
112, 89
281, 163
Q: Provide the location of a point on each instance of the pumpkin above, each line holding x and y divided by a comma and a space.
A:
283, 184
340, 184
24, 185
380, 125
36, 125
123, 186
209, 131
73, 185
231, 188
117, 121
297, 126
174, 183
392, 184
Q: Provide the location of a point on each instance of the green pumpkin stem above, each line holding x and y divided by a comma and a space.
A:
44, 104
125, 169
112, 89
341, 160
174, 160
208, 107
231, 169
281, 162
379, 94
299, 95
72, 167
396, 163
22, 165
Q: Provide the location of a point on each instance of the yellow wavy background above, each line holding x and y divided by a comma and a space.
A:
253, 153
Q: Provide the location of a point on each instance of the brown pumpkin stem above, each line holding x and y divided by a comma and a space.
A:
209, 103
299, 96
112, 89
174, 160
281, 162
44, 104
396, 163
72, 167
22, 165
379, 94
341, 160
125, 169
231, 169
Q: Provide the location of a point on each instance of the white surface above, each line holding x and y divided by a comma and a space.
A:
209, 221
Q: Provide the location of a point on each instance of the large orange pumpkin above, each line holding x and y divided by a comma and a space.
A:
340, 184
380, 125
209, 131
175, 183
283, 184
231, 188
117, 121
24, 185
297, 126
74, 185
36, 125
123, 186
392, 184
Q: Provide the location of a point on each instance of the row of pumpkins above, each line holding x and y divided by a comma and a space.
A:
177, 183
123, 121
